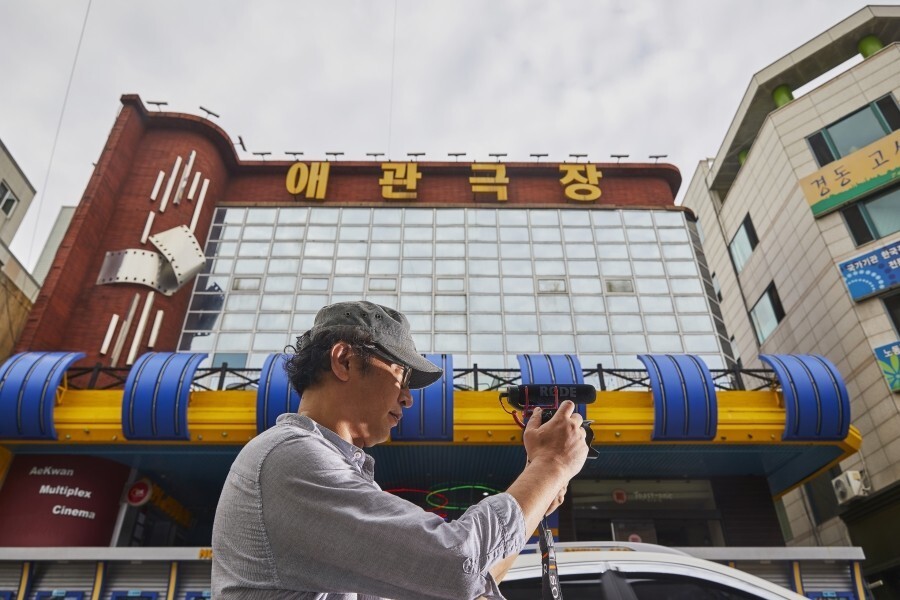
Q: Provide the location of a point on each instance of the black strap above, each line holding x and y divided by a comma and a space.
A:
550, 589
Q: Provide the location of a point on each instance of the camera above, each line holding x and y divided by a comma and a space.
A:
547, 397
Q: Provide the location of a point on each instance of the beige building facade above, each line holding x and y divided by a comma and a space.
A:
18, 289
16, 195
800, 215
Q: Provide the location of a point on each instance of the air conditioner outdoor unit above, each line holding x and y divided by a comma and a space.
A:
848, 486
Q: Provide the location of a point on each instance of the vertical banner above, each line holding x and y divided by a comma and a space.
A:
889, 361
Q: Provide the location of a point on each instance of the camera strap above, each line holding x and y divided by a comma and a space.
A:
550, 589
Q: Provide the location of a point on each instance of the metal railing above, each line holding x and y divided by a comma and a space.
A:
474, 378
608, 379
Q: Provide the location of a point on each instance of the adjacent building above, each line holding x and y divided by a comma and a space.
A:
18, 289
42, 266
800, 211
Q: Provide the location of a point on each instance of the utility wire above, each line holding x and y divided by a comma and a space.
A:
62, 113
391, 102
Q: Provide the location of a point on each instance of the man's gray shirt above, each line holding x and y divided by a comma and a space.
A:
301, 517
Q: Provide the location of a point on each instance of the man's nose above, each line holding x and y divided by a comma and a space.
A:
406, 399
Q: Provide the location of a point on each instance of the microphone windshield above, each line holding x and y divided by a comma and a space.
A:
548, 394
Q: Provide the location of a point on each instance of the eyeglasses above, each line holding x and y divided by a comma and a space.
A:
381, 355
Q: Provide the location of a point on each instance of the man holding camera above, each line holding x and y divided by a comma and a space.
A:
301, 517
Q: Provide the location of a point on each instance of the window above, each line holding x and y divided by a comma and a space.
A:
387, 284
742, 244
651, 586
734, 349
274, 270
551, 286
875, 217
8, 201
892, 305
245, 283
620, 286
855, 131
767, 313
654, 582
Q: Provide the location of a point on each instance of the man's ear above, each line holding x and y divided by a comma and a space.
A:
341, 353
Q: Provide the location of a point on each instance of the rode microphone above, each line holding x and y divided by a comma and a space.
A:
532, 396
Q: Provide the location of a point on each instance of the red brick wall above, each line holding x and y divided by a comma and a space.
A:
72, 312
530, 184
157, 151
59, 302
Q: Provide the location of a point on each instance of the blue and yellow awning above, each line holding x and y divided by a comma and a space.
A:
681, 426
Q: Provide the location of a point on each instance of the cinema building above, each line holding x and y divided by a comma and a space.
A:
801, 214
154, 351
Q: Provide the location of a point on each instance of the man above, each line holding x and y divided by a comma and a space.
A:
301, 517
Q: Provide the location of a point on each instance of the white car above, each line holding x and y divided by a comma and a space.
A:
627, 571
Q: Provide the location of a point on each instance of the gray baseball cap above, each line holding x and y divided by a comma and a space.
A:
390, 332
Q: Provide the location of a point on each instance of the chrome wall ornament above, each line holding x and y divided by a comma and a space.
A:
179, 260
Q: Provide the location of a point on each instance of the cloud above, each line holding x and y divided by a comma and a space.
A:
598, 76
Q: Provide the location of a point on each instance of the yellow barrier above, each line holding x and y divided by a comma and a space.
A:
623, 417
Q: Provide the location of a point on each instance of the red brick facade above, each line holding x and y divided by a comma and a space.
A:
73, 312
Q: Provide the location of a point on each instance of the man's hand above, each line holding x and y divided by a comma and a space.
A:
558, 442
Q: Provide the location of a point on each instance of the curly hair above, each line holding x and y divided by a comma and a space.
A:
312, 355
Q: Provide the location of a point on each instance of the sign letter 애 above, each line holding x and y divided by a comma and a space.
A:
312, 178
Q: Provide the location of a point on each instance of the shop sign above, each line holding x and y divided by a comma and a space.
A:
401, 180
170, 506
60, 500
873, 272
140, 492
854, 175
635, 531
144, 491
649, 494
888, 358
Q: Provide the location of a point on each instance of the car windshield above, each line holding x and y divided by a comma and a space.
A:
574, 587
630, 586
658, 586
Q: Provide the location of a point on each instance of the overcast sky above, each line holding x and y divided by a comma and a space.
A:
601, 77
